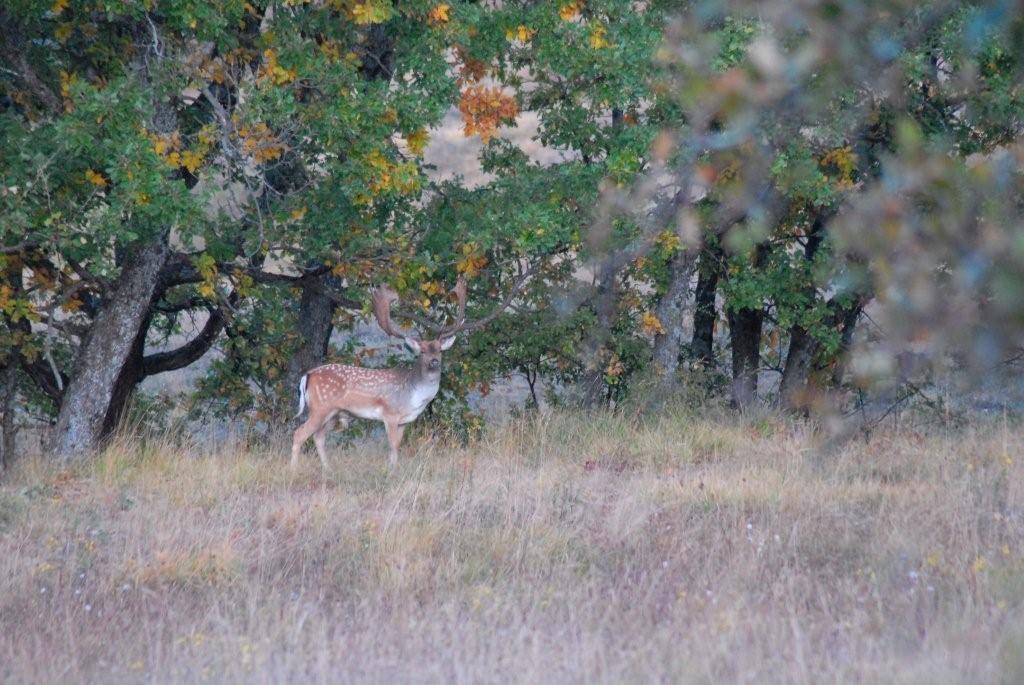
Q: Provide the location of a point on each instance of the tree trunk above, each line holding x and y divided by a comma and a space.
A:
109, 362
704, 313
745, 337
8, 392
315, 323
669, 311
793, 389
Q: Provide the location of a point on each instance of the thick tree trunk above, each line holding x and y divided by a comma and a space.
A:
8, 392
669, 311
704, 313
745, 338
316, 321
109, 362
793, 391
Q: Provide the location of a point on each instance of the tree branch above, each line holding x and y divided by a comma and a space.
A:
20, 247
188, 353
14, 50
40, 373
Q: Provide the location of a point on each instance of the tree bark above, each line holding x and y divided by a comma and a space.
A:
315, 323
670, 310
745, 336
793, 389
109, 362
9, 390
704, 313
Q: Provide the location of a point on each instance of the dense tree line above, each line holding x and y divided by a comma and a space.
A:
738, 182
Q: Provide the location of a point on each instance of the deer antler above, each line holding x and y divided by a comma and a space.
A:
460, 310
383, 297
461, 324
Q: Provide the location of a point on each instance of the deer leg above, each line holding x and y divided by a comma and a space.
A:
395, 433
320, 440
302, 433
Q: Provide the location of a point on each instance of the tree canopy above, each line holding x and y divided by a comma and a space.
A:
763, 168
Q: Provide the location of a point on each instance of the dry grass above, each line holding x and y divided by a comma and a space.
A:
564, 548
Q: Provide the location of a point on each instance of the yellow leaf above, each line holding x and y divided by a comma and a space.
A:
206, 134
298, 214
63, 32
59, 6
372, 11
651, 325
331, 49
95, 178
191, 160
844, 159
431, 288
67, 80
520, 33
472, 264
599, 37
417, 141
283, 76
440, 14
668, 240
570, 11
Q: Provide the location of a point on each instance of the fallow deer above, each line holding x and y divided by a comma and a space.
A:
395, 396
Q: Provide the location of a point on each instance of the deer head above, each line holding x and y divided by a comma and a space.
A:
428, 352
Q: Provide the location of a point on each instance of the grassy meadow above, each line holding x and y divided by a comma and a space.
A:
565, 547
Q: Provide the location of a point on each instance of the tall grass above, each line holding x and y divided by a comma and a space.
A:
561, 548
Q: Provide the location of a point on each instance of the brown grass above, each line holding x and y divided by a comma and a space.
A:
562, 548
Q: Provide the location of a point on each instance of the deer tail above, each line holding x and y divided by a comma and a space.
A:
302, 394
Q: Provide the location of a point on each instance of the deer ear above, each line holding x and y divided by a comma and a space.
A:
413, 344
446, 343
